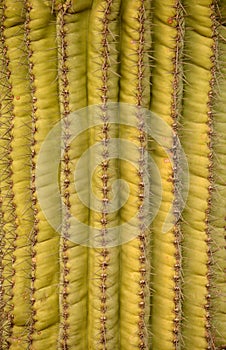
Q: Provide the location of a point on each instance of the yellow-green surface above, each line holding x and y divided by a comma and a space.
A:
158, 291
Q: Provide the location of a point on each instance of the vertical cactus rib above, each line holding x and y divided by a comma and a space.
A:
175, 115
72, 50
40, 33
33, 186
135, 89
168, 32
20, 170
197, 109
103, 259
217, 212
8, 216
64, 306
2, 304
209, 329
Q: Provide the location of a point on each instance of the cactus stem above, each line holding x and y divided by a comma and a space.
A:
97, 278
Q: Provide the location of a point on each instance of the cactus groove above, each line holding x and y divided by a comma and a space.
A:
164, 288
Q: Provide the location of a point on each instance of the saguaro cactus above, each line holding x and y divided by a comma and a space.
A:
93, 91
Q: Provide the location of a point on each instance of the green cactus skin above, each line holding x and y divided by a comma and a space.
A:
159, 291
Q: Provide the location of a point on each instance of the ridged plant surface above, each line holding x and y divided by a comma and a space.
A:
160, 289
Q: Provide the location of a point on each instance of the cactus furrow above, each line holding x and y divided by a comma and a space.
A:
42, 50
200, 31
103, 258
135, 89
168, 31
